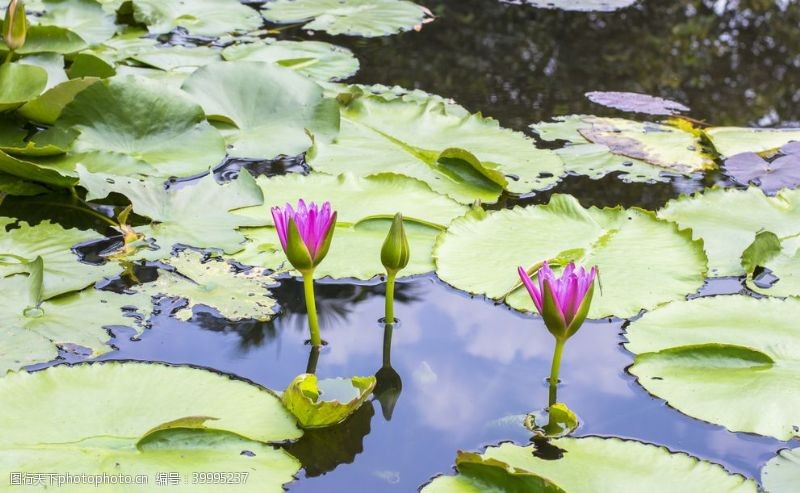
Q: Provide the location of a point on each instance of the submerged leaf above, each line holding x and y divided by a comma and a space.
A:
320, 403
738, 352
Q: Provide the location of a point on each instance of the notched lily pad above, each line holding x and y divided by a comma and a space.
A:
320, 403
367, 18
782, 170
636, 102
214, 283
708, 347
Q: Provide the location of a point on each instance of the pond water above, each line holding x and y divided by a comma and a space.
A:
464, 369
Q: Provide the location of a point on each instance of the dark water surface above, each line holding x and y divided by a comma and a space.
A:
467, 367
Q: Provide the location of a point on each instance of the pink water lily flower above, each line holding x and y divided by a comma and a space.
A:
562, 301
305, 233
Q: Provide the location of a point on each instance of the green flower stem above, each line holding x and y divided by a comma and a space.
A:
389, 311
313, 358
387, 345
9, 56
554, 370
311, 307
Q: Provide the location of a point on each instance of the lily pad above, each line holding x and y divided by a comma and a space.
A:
630, 248
639, 151
465, 157
365, 208
174, 211
315, 59
199, 17
367, 18
727, 221
635, 102
63, 272
88, 18
580, 5
272, 109
160, 132
782, 473
729, 141
49, 39
781, 171
203, 421
19, 84
34, 329
590, 465
174, 57
47, 107
772, 265
214, 283
736, 351
320, 403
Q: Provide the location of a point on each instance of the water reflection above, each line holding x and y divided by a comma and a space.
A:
388, 385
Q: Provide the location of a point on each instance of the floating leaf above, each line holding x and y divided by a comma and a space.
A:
19, 84
365, 208
772, 265
727, 221
737, 352
50, 39
589, 465
729, 141
214, 283
315, 59
174, 211
579, 5
63, 272
48, 107
88, 18
630, 247
640, 151
68, 418
467, 157
635, 102
272, 109
159, 132
174, 57
367, 18
320, 403
199, 17
34, 329
781, 171
782, 473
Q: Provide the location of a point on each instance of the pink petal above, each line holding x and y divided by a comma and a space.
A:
535, 295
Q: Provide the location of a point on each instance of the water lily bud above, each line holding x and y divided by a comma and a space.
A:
395, 252
15, 25
306, 233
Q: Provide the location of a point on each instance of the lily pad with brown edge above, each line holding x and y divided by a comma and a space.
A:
588, 465
68, 418
212, 282
710, 347
320, 403
630, 247
639, 151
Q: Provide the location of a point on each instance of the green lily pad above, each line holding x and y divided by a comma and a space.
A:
782, 473
52, 63
174, 57
467, 157
34, 329
315, 59
772, 265
367, 18
174, 212
320, 403
365, 209
47, 107
11, 185
199, 17
160, 132
727, 221
49, 39
582, 5
203, 422
19, 84
590, 465
638, 151
63, 272
88, 64
729, 141
272, 109
630, 248
214, 283
85, 17
737, 352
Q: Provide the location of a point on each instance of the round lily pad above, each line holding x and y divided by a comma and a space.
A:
643, 261
19, 84
723, 359
315, 59
199, 17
